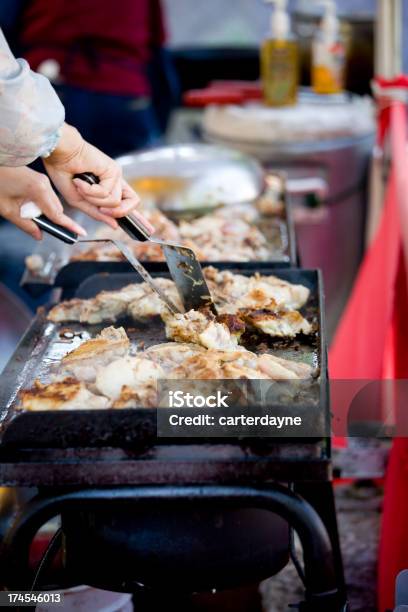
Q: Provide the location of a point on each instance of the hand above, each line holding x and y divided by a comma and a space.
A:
21, 185
109, 199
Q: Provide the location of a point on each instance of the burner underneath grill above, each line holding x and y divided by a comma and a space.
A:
178, 548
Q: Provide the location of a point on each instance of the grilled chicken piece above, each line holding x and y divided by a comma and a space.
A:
239, 291
234, 323
279, 324
218, 365
84, 361
204, 366
171, 354
111, 305
150, 305
271, 365
106, 306
67, 394
138, 301
199, 328
146, 397
132, 372
66, 312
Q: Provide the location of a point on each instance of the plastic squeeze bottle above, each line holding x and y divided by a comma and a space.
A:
328, 53
279, 60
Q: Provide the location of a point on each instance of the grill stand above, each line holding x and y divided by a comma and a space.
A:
324, 587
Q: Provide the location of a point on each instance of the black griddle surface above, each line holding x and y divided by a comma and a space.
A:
101, 446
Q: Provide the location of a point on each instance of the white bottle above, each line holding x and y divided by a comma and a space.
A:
328, 53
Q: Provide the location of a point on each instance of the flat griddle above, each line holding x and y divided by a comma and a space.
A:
102, 446
59, 271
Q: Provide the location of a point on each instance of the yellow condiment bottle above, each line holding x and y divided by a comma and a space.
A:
279, 60
328, 54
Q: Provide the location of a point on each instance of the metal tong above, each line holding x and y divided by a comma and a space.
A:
183, 265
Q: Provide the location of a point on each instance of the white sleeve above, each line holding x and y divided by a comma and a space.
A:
31, 113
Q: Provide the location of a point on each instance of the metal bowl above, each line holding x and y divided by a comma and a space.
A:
193, 178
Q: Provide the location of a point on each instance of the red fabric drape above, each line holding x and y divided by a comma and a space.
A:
371, 342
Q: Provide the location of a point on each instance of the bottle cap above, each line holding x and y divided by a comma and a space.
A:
280, 22
329, 24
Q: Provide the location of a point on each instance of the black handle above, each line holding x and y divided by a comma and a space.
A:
58, 231
130, 224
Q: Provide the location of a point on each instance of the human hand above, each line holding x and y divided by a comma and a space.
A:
21, 185
111, 198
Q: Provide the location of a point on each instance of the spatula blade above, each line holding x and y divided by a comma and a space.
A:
188, 277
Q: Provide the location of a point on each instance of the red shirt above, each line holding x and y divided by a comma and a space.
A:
100, 45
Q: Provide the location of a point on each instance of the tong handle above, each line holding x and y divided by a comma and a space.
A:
58, 231
130, 224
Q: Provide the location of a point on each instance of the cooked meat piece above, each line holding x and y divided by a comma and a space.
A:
111, 305
106, 306
224, 285
146, 397
170, 354
284, 293
234, 323
133, 372
283, 369
67, 394
67, 311
215, 365
138, 301
218, 365
150, 304
199, 328
238, 291
84, 361
280, 324
267, 362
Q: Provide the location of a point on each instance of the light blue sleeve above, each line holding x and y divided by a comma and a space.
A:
31, 113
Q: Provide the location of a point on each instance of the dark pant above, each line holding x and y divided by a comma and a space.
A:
115, 124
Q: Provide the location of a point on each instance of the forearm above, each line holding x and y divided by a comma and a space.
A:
31, 113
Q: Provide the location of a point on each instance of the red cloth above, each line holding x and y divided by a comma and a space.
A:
358, 349
365, 355
393, 556
371, 341
101, 46
393, 552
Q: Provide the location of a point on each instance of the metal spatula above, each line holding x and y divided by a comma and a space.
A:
60, 232
182, 262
